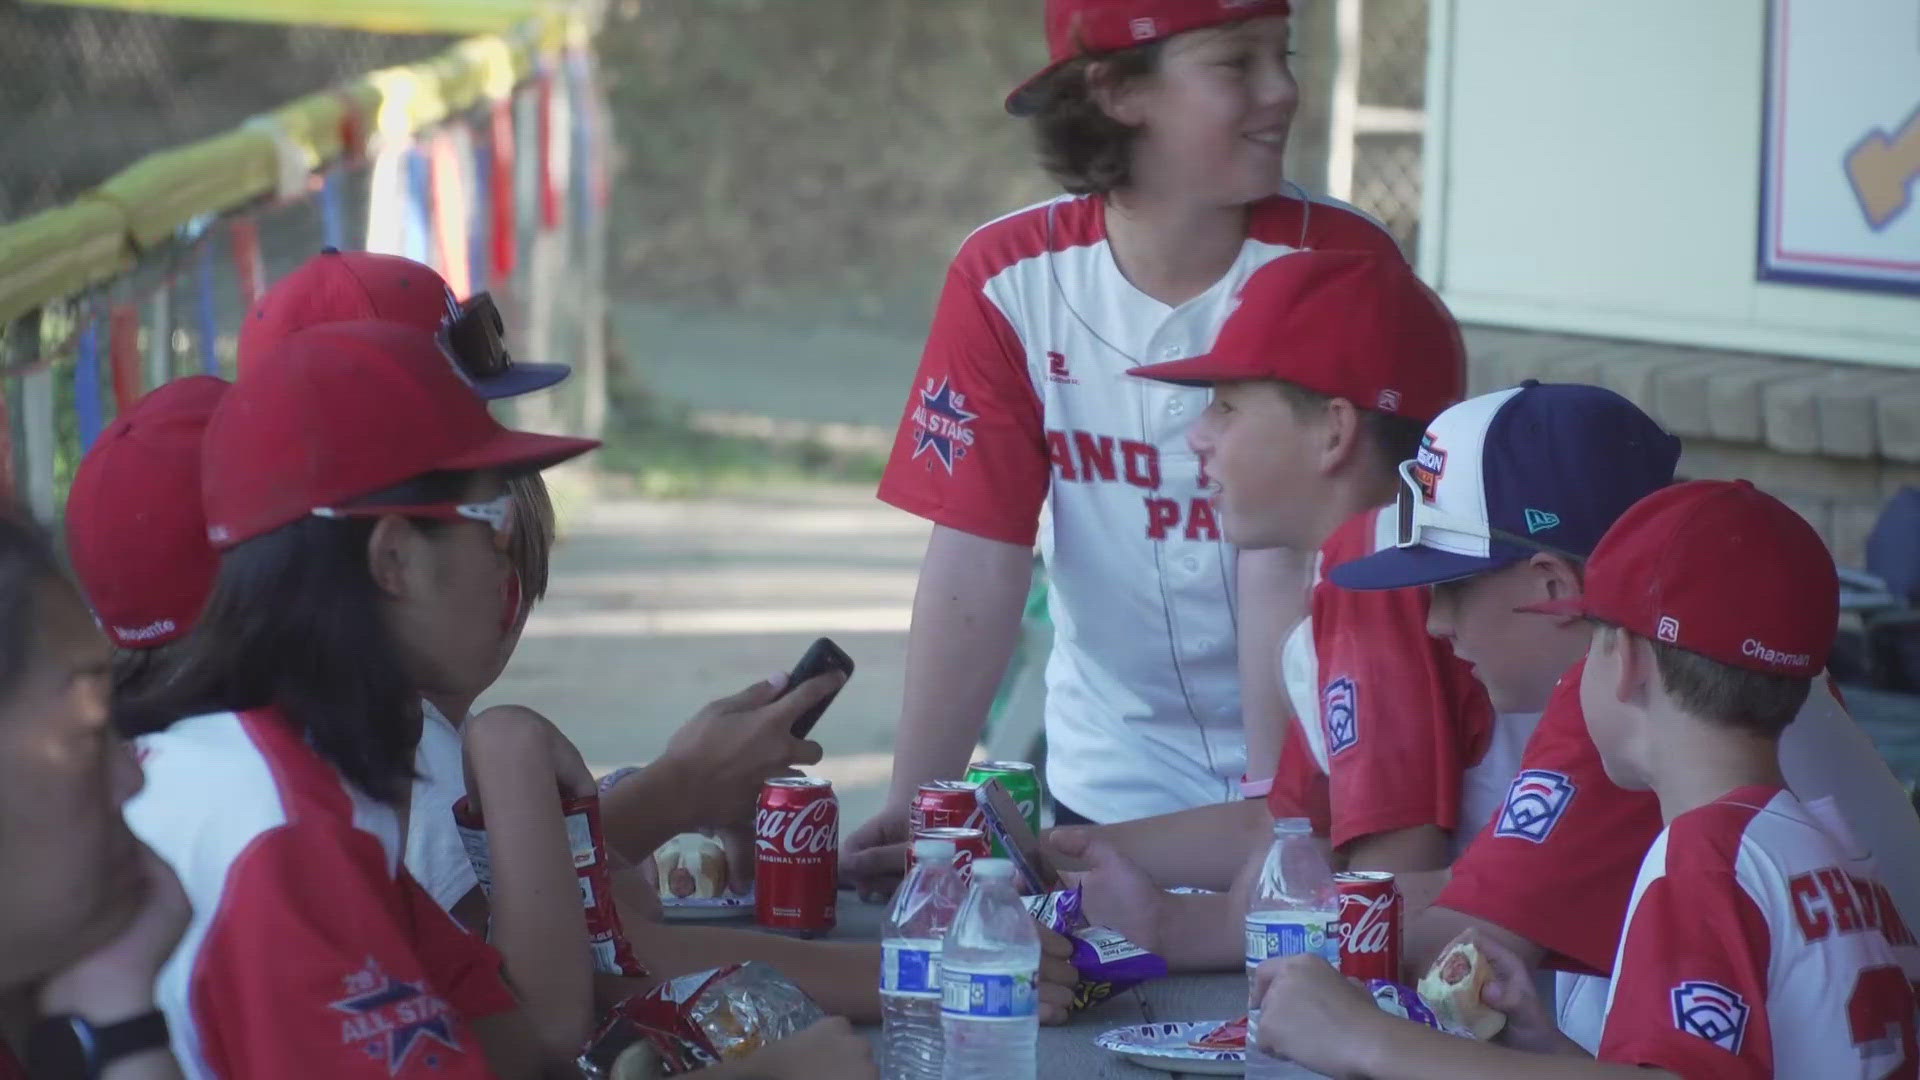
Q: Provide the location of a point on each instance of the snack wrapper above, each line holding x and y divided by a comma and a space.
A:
1105, 960
703, 1019
1406, 1003
612, 954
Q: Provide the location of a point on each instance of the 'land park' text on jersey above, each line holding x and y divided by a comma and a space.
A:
1022, 400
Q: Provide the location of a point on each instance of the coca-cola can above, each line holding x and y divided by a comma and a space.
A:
968, 845
1371, 912
796, 855
946, 804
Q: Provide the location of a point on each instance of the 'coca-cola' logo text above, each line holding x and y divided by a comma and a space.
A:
813, 829
1367, 929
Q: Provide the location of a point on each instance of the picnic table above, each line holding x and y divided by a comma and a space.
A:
1068, 1052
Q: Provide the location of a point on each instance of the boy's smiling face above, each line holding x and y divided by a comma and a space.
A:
1259, 451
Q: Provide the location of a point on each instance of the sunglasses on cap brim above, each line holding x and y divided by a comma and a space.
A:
1414, 516
495, 513
475, 337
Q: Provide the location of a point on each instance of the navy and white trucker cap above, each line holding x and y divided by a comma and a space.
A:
1499, 477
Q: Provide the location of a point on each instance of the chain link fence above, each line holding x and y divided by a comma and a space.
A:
1390, 119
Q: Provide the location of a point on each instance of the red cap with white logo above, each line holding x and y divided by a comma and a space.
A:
1349, 324
1719, 568
135, 531
1077, 27
345, 410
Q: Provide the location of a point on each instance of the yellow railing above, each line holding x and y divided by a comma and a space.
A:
99, 235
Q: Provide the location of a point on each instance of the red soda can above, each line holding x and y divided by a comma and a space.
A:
1371, 912
796, 855
968, 845
946, 804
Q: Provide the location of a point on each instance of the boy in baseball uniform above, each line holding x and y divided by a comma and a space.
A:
1757, 943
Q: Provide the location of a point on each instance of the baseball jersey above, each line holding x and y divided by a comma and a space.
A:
1399, 727
435, 856
1556, 865
1755, 947
311, 950
1022, 400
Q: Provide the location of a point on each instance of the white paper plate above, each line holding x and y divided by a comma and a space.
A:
1164, 1047
727, 906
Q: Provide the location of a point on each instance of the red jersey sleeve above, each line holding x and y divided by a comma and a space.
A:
971, 453
1557, 863
1402, 717
465, 969
309, 968
1691, 993
1299, 787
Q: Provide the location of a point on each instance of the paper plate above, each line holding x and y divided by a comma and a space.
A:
1164, 1047
728, 906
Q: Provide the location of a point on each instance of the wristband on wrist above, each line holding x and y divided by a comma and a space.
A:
1255, 789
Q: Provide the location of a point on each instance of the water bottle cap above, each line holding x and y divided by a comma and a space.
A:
1292, 826
942, 850
992, 870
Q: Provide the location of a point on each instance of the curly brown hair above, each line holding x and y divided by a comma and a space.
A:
1084, 149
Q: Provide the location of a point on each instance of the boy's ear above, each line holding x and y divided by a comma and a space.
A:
1116, 97
1558, 579
1342, 429
1638, 672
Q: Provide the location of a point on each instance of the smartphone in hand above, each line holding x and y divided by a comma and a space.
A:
821, 657
1006, 824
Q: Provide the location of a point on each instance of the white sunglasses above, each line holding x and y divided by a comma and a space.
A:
1414, 516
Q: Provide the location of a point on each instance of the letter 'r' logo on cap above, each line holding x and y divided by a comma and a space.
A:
1668, 630
1143, 29
1389, 401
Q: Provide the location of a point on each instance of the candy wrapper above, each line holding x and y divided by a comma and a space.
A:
704, 1019
611, 952
1406, 1003
1106, 961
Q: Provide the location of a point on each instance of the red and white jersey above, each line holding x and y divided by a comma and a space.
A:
1398, 726
1755, 947
311, 951
1022, 399
1557, 865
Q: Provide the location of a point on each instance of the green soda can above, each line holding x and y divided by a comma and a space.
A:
1021, 780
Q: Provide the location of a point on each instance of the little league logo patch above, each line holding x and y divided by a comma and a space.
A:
1535, 801
389, 1019
1338, 707
1429, 465
942, 424
1712, 1012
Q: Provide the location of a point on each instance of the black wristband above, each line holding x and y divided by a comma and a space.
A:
71, 1048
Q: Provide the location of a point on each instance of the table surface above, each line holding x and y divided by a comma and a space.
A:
1068, 1052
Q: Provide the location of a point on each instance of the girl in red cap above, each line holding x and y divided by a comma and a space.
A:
1166, 123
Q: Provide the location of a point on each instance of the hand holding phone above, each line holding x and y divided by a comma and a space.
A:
821, 657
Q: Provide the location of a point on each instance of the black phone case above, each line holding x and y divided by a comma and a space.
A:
821, 657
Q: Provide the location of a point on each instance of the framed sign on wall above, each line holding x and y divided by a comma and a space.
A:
1840, 183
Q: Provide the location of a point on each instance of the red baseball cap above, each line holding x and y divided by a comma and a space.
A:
135, 531
347, 286
1077, 27
1346, 323
1719, 568
341, 411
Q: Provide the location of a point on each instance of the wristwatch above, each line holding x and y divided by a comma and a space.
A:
71, 1048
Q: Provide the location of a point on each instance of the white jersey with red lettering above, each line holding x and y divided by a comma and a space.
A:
311, 950
1022, 399
1755, 947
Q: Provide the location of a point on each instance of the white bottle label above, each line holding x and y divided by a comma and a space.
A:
988, 995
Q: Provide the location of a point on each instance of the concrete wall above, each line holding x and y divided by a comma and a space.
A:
1595, 169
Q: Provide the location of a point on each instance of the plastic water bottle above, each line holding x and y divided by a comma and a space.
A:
913, 1045
1294, 908
989, 970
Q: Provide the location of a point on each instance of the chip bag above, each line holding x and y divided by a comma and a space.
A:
703, 1019
1105, 960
